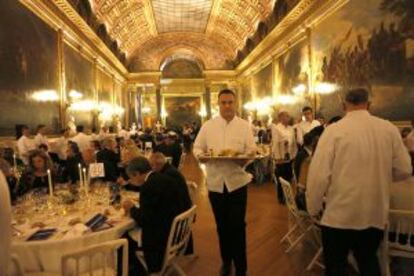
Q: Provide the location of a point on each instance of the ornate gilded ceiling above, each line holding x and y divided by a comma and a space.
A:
213, 30
181, 15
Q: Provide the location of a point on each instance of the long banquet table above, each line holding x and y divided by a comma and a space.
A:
35, 212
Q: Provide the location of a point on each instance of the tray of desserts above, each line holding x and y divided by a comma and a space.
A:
228, 155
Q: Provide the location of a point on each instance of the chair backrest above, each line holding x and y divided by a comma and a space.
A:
169, 160
192, 189
290, 198
17, 268
399, 233
105, 252
179, 234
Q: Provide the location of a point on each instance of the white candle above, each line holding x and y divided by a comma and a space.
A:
49, 178
80, 176
15, 163
85, 183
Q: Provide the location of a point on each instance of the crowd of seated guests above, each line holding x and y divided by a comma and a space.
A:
63, 155
164, 192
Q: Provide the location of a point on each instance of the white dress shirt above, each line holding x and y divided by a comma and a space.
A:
283, 142
410, 141
24, 146
83, 141
402, 195
40, 139
5, 225
354, 164
304, 127
218, 134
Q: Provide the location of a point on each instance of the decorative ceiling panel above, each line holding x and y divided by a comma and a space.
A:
214, 29
181, 15
129, 22
210, 52
235, 20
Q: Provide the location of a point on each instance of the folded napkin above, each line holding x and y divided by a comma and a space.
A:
76, 231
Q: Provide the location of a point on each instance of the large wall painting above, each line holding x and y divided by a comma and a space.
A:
28, 68
262, 82
80, 84
290, 70
368, 43
182, 110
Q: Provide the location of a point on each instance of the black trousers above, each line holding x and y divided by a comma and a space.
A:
363, 243
229, 212
283, 170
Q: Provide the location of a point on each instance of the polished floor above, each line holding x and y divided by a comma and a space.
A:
266, 224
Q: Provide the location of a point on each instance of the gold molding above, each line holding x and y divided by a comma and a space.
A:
61, 79
59, 14
144, 77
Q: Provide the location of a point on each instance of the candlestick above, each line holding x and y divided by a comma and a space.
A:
80, 176
85, 183
14, 163
49, 178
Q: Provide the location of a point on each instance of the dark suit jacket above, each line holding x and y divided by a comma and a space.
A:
300, 157
110, 159
181, 184
173, 151
71, 170
161, 200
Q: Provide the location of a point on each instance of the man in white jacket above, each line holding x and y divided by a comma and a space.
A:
355, 162
5, 225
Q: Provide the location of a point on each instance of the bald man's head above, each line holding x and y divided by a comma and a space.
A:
157, 161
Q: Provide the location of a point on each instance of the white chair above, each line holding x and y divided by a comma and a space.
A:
398, 237
177, 242
99, 259
17, 268
302, 224
301, 220
169, 160
317, 240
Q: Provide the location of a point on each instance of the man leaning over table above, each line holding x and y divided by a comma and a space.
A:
227, 180
352, 169
157, 209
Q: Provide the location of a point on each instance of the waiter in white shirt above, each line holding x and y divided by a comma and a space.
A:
307, 125
81, 139
25, 144
40, 138
227, 180
5, 225
352, 169
284, 149
409, 140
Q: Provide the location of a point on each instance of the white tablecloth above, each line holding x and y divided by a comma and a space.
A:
40, 256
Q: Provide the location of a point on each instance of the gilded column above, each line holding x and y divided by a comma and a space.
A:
207, 100
158, 98
61, 79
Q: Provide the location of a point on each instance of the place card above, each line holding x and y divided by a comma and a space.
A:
96, 170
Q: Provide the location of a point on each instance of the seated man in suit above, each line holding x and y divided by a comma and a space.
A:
110, 159
158, 207
160, 164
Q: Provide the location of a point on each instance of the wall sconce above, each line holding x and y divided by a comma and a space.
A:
203, 112
300, 89
75, 95
146, 110
45, 96
325, 88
